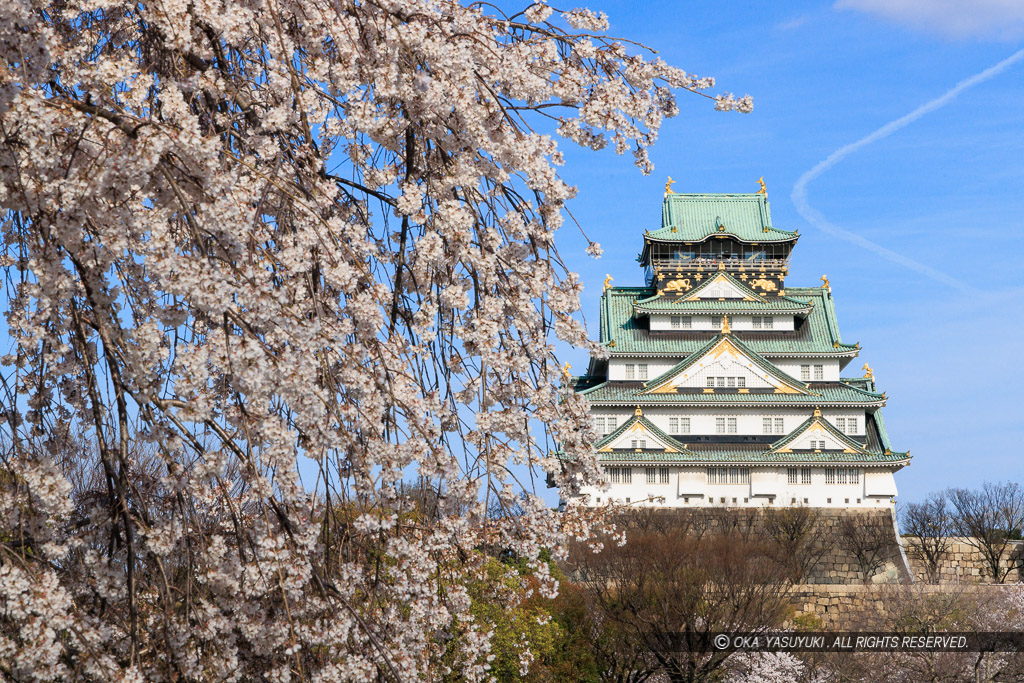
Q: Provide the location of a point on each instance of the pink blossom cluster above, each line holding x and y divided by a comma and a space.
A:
243, 235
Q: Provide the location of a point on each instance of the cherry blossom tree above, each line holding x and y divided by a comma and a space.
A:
240, 235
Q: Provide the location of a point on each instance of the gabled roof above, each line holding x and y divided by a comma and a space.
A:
693, 301
723, 342
816, 336
695, 217
816, 423
639, 423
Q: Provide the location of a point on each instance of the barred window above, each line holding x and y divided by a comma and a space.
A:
819, 372
805, 372
652, 475
766, 425
630, 371
611, 424
728, 475
805, 476
642, 369
627, 476
599, 425
719, 425
614, 475
679, 425
676, 322
686, 322
662, 475
769, 323
851, 425
841, 424
842, 475
756, 320
792, 475
732, 425
779, 426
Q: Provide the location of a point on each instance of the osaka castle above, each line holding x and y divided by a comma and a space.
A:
725, 385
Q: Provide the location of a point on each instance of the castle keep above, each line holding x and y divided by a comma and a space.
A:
725, 385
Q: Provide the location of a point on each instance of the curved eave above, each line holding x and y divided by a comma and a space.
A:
849, 352
653, 237
724, 310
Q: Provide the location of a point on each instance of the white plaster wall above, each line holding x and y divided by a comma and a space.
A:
676, 494
655, 367
663, 323
748, 420
791, 366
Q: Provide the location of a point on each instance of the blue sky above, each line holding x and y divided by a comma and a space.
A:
947, 191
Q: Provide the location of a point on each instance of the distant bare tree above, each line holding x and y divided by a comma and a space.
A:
799, 540
672, 591
989, 519
868, 539
930, 524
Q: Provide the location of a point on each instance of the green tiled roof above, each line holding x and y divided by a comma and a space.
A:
817, 335
694, 217
753, 355
716, 454
649, 426
827, 426
672, 304
823, 394
737, 454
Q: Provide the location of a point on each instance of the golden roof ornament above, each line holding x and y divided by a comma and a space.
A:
817, 412
668, 186
565, 371
825, 284
638, 412
764, 189
868, 372
725, 325
607, 282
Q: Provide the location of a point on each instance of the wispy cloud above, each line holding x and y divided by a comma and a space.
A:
956, 19
815, 218
792, 24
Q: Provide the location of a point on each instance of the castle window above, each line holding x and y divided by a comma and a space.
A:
731, 382
599, 425
711, 381
679, 425
769, 323
819, 372
630, 371
756, 321
679, 322
805, 372
741, 382
728, 475
652, 475
642, 369
720, 381
779, 426
732, 425
719, 425
841, 424
611, 424
798, 475
662, 475
638, 444
851, 425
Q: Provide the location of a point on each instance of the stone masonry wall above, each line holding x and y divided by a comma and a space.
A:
832, 542
963, 562
868, 606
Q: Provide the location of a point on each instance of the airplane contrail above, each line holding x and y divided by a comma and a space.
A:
815, 218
